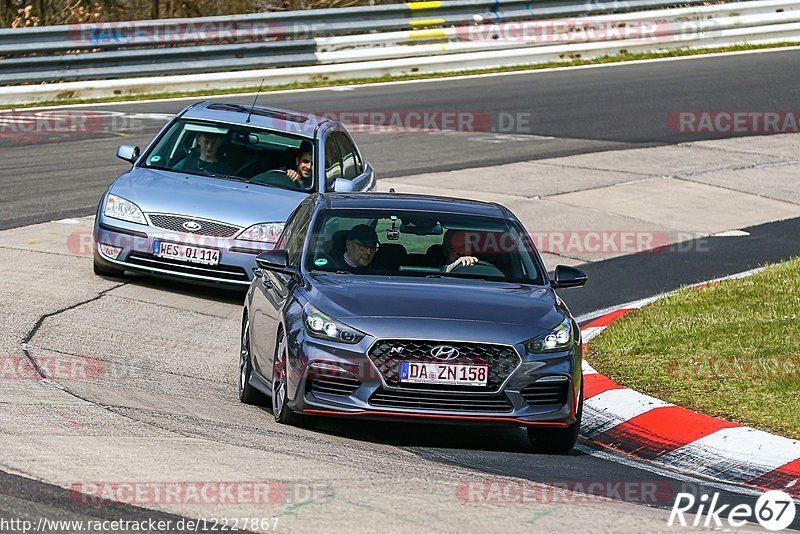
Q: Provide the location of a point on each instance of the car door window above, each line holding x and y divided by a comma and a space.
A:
294, 243
351, 164
333, 162
291, 226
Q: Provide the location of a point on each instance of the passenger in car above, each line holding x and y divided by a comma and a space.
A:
298, 178
208, 159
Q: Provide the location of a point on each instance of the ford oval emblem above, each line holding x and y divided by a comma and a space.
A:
444, 352
192, 226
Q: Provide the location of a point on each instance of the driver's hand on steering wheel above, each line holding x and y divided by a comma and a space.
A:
293, 175
463, 260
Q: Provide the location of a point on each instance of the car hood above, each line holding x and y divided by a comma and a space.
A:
228, 201
430, 304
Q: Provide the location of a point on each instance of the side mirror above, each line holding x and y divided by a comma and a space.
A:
343, 186
277, 261
129, 153
566, 276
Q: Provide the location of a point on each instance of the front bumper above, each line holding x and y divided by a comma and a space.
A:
337, 380
136, 241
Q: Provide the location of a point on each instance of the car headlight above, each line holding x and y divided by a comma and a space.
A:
122, 208
559, 338
322, 326
263, 232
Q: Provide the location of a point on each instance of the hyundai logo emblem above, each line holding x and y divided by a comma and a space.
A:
191, 226
444, 352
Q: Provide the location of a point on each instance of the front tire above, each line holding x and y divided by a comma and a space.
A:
247, 393
557, 440
280, 390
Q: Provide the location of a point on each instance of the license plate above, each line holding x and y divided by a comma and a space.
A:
188, 253
443, 373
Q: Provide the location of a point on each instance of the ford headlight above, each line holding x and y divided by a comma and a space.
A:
121, 208
559, 338
323, 326
263, 232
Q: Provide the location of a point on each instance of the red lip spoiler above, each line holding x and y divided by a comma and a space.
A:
432, 416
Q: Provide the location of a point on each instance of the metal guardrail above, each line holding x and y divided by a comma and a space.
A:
446, 48
308, 23
287, 24
284, 39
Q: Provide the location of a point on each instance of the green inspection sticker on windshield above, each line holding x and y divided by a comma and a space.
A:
155, 158
320, 262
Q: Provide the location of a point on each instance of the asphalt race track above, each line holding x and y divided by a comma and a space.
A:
571, 112
583, 110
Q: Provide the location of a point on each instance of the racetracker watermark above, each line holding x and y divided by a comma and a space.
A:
734, 122
46, 125
572, 30
560, 242
178, 32
416, 121
577, 242
55, 367
785, 368
572, 242
199, 492
506, 492
82, 243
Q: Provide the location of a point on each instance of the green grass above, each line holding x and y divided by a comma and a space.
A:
730, 350
571, 62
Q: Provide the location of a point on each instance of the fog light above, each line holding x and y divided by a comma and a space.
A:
108, 251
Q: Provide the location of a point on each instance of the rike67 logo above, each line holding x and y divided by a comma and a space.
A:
774, 510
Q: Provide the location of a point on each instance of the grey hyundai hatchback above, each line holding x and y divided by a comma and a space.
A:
214, 188
390, 306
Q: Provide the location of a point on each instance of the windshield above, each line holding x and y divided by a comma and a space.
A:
237, 153
422, 244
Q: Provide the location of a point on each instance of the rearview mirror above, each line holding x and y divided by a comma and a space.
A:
276, 261
273, 259
566, 276
129, 153
343, 186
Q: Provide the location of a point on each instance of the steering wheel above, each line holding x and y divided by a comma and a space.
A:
481, 268
247, 168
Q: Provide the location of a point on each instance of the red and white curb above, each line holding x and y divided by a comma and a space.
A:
670, 436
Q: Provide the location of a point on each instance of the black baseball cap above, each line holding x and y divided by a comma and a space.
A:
363, 234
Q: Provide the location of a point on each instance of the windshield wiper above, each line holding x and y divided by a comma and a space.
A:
196, 173
464, 277
226, 177
157, 168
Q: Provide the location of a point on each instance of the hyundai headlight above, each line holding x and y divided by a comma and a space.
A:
559, 338
122, 208
323, 326
263, 232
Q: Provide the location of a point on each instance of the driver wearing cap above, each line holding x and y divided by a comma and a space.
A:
360, 247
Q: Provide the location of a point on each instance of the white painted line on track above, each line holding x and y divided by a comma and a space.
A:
424, 80
715, 454
615, 406
587, 369
589, 333
629, 461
